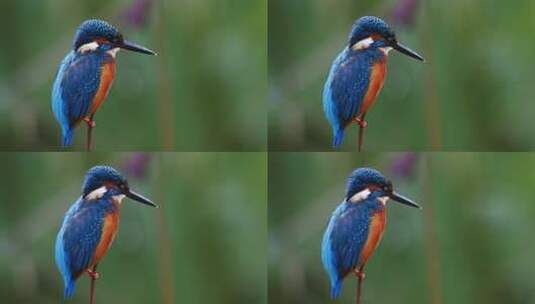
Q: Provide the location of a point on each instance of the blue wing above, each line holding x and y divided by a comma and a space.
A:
80, 83
344, 91
77, 240
77, 82
342, 243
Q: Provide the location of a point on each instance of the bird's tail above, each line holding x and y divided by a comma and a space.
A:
66, 138
338, 137
336, 288
69, 289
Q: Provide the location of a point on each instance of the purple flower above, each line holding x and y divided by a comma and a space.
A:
136, 14
404, 12
137, 165
403, 165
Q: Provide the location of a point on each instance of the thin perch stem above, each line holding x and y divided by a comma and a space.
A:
361, 138
89, 138
362, 125
360, 276
93, 278
90, 125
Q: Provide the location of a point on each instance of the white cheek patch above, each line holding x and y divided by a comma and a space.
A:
363, 44
88, 47
385, 50
118, 198
113, 52
383, 200
360, 196
97, 193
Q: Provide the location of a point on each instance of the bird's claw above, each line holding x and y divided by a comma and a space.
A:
93, 274
90, 123
361, 122
360, 274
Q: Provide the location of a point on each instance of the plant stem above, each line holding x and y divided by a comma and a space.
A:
360, 276
89, 138
361, 138
431, 243
92, 286
90, 126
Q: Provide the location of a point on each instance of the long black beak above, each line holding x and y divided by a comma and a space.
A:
139, 198
405, 50
401, 199
127, 45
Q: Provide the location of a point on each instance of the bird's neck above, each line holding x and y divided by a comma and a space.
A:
372, 54
370, 200
94, 49
106, 195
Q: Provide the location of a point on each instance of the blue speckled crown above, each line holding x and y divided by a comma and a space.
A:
361, 178
365, 26
94, 29
96, 176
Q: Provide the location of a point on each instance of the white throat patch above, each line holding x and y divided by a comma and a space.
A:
363, 44
113, 52
118, 198
88, 47
360, 196
97, 193
385, 50
384, 199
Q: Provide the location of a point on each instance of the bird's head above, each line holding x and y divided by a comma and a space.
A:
96, 34
101, 180
373, 32
364, 182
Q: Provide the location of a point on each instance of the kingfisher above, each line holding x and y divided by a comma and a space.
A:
90, 225
356, 227
357, 75
85, 75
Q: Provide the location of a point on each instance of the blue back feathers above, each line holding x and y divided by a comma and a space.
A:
79, 237
345, 88
345, 237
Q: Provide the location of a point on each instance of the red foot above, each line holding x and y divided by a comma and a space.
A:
90, 123
93, 274
360, 274
361, 122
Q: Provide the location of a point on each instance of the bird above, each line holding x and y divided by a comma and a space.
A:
357, 75
356, 227
86, 74
90, 225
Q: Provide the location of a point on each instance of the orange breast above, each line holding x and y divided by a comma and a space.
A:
377, 80
109, 230
375, 233
106, 79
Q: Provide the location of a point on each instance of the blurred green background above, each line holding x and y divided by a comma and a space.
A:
475, 94
204, 92
471, 242
205, 244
